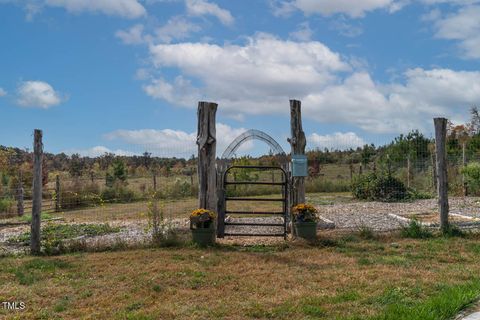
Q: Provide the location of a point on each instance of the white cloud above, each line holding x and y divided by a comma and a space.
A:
203, 7
3, 92
263, 70
336, 141
260, 77
464, 27
124, 8
134, 35
354, 9
303, 33
397, 107
168, 142
176, 28
98, 151
37, 94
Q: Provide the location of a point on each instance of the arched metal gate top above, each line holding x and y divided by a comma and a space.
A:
253, 134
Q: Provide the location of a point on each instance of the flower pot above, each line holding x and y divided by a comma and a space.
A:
204, 236
306, 230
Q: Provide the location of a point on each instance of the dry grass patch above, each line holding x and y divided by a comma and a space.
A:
339, 277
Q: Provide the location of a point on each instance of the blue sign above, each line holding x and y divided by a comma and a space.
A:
299, 165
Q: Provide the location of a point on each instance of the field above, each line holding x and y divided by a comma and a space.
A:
339, 277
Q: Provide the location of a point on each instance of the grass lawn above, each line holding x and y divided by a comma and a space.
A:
340, 277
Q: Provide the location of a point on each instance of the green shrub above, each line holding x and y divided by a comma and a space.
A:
416, 230
78, 195
414, 194
7, 205
472, 176
378, 187
118, 193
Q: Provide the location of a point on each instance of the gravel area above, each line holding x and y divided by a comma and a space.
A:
346, 216
375, 215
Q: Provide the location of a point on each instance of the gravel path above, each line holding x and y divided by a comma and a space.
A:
346, 216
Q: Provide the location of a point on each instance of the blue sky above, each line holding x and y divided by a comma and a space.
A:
126, 75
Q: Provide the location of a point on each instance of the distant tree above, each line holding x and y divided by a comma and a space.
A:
118, 173
76, 166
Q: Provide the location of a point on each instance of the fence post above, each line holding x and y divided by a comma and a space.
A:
221, 167
298, 143
207, 144
20, 196
441, 164
37, 192
464, 163
408, 170
154, 181
57, 194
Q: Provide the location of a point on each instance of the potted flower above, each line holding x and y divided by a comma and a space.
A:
202, 226
305, 221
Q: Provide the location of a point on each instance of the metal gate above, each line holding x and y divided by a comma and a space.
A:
224, 200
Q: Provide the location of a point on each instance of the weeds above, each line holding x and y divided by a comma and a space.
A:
416, 230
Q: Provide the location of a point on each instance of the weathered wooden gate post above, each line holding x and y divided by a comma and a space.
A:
207, 143
441, 165
298, 143
37, 192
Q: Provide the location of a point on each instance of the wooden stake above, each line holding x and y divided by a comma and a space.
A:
20, 196
464, 164
207, 144
37, 192
408, 171
298, 143
57, 194
442, 177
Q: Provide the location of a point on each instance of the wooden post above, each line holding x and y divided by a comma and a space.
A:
57, 194
441, 164
154, 181
351, 172
464, 164
20, 196
408, 170
37, 192
207, 144
298, 143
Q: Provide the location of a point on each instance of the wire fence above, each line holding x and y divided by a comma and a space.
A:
353, 188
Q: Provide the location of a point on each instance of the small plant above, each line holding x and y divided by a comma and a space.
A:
304, 213
454, 231
366, 233
163, 233
202, 219
416, 230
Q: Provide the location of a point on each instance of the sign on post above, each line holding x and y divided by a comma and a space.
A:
299, 165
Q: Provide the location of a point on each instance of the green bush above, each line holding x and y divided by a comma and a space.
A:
416, 230
378, 187
78, 195
7, 205
118, 193
472, 176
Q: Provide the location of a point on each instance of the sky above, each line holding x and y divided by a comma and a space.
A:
125, 76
